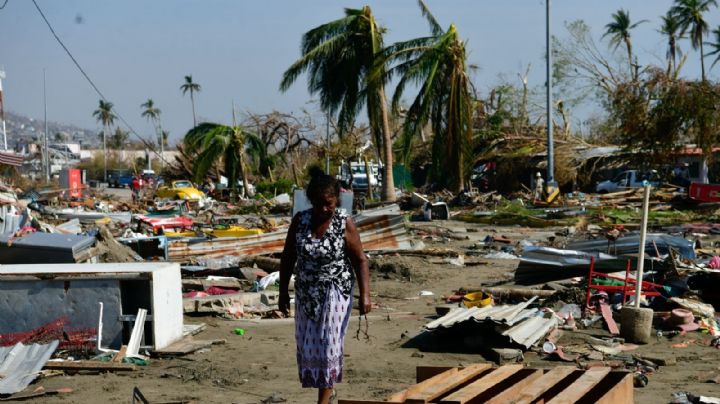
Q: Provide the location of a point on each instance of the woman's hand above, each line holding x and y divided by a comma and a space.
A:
365, 304
284, 303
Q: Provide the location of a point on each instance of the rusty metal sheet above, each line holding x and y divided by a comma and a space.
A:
377, 233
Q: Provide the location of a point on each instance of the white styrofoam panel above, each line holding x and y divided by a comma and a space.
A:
167, 305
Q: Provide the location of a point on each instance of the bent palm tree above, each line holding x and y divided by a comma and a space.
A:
192, 88
105, 116
438, 65
716, 46
671, 29
690, 17
619, 31
339, 56
152, 113
215, 142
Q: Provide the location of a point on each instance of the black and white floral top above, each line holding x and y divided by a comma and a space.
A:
321, 263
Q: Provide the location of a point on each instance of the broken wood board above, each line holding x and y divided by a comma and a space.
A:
513, 383
186, 346
90, 365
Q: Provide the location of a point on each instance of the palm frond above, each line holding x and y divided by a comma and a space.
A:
435, 28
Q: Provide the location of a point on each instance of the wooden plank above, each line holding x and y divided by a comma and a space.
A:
621, 393
120, 355
581, 386
183, 347
438, 389
481, 385
90, 365
423, 373
399, 397
510, 393
541, 385
362, 402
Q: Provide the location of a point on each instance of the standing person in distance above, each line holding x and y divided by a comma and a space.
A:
323, 249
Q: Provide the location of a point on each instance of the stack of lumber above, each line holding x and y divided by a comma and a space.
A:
482, 383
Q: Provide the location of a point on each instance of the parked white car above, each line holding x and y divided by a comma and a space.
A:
628, 179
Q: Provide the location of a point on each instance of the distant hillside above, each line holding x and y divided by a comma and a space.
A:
21, 129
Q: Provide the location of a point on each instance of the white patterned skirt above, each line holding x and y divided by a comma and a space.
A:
320, 343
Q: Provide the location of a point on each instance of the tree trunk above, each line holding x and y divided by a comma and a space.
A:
107, 127
162, 146
702, 60
192, 102
293, 166
368, 176
633, 71
388, 185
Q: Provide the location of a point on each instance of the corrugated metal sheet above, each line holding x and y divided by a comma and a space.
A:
20, 365
89, 217
505, 314
530, 331
521, 325
629, 244
378, 232
11, 159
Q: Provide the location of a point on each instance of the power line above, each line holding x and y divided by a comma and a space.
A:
4, 4
97, 90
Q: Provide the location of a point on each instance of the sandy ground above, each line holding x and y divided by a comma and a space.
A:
261, 364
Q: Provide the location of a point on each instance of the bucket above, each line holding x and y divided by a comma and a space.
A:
477, 299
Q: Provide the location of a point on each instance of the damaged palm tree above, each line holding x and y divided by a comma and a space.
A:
438, 63
215, 142
339, 56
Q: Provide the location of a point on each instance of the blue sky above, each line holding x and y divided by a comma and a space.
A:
237, 50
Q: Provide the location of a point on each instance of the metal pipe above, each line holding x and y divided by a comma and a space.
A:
641, 253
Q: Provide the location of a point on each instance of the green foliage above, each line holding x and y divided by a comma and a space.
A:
437, 64
619, 31
270, 189
660, 113
213, 143
338, 57
689, 14
119, 139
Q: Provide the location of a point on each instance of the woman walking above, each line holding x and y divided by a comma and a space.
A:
322, 247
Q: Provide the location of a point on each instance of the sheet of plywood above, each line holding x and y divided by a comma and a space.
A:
543, 384
581, 386
436, 390
481, 385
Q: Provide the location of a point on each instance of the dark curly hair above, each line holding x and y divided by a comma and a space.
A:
321, 184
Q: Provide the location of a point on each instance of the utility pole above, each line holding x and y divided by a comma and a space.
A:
47, 150
550, 183
2, 111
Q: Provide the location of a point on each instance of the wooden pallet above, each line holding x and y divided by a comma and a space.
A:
481, 383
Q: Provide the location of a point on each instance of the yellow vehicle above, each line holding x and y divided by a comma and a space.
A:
181, 189
215, 231
231, 231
